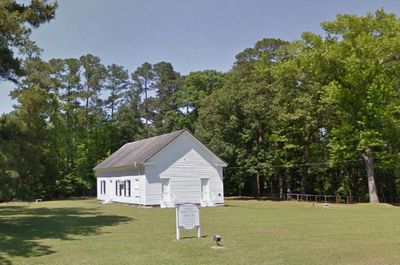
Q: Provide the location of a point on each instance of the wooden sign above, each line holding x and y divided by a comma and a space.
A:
187, 217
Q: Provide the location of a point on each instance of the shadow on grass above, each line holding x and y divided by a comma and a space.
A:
22, 228
192, 237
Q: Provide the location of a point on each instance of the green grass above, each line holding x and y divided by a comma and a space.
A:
85, 232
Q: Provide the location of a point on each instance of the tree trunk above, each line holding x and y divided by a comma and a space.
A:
145, 109
280, 186
369, 164
87, 107
68, 126
241, 186
307, 183
112, 110
258, 186
112, 102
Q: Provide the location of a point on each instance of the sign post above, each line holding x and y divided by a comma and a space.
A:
187, 217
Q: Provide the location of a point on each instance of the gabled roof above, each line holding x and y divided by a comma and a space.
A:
137, 153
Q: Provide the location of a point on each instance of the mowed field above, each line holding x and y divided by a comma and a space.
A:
253, 232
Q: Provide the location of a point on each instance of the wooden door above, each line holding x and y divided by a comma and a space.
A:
166, 190
205, 191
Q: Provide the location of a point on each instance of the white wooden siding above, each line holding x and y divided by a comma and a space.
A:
111, 176
185, 162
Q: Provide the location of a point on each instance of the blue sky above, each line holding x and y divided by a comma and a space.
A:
192, 35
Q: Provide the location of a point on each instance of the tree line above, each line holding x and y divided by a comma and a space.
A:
317, 115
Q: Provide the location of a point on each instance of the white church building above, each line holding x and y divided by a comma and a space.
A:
163, 171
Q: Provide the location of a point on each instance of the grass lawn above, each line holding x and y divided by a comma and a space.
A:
85, 232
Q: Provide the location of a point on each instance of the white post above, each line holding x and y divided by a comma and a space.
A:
178, 236
198, 231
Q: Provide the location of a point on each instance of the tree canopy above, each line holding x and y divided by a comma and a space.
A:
318, 115
16, 23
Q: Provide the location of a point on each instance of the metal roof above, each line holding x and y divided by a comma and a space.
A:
136, 153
